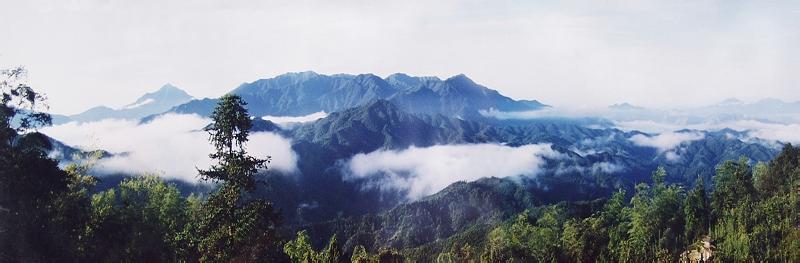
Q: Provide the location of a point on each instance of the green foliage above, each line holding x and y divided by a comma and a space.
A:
756, 209
583, 239
360, 255
20, 105
42, 208
390, 255
49, 214
460, 254
656, 221
332, 252
526, 241
649, 228
696, 209
230, 225
615, 220
300, 250
751, 216
138, 220
781, 175
228, 133
733, 187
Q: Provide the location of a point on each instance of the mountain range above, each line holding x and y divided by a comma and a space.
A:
367, 113
161, 100
295, 94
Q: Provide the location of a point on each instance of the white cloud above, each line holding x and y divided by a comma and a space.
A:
423, 171
144, 102
667, 141
606, 167
783, 132
171, 145
766, 124
595, 168
518, 115
549, 112
672, 156
647, 126
768, 131
288, 121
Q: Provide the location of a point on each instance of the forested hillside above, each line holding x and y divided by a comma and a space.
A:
601, 195
49, 214
379, 131
750, 214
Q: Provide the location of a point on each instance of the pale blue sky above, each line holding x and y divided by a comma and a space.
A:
84, 53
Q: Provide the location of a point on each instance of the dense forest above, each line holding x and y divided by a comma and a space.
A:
52, 214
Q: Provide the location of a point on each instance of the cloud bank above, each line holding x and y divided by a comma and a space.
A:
764, 123
288, 121
172, 145
756, 129
769, 130
667, 143
519, 115
594, 168
424, 171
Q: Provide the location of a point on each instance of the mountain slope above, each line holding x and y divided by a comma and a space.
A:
455, 96
159, 101
296, 94
453, 210
58, 150
594, 162
381, 125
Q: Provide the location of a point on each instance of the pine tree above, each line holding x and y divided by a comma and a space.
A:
233, 225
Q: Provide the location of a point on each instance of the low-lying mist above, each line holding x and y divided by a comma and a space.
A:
424, 171
173, 146
772, 127
290, 121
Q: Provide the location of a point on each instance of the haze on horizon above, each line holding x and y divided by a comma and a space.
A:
85, 53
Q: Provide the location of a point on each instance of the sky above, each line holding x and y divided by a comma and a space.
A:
84, 53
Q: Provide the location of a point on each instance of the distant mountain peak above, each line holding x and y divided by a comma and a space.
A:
99, 108
369, 77
168, 93
303, 93
286, 78
161, 100
168, 87
772, 101
731, 102
399, 75
625, 106
302, 74
461, 78
404, 81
